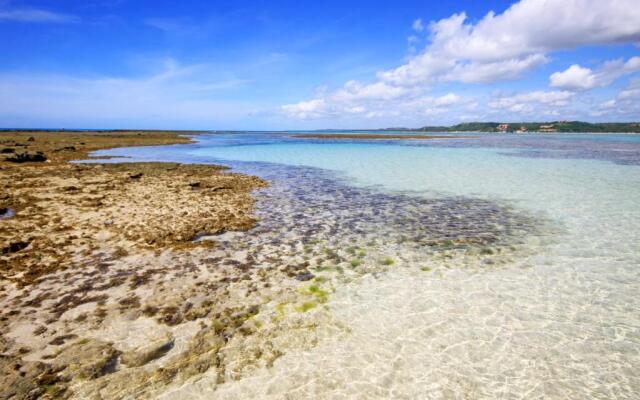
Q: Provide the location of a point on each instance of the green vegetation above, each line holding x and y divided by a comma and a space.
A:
388, 261
306, 306
553, 126
320, 294
355, 263
426, 269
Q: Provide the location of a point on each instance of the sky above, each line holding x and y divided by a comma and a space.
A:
288, 65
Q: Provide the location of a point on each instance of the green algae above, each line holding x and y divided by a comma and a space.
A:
388, 261
280, 308
316, 291
306, 306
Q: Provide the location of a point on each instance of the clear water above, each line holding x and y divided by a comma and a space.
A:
558, 318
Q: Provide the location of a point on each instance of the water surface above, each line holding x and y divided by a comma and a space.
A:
517, 273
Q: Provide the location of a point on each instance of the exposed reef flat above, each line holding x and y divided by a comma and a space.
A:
355, 136
78, 239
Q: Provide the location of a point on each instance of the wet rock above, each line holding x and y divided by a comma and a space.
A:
27, 157
21, 379
66, 148
14, 247
305, 276
60, 340
147, 353
86, 359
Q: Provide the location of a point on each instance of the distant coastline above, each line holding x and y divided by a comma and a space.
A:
537, 127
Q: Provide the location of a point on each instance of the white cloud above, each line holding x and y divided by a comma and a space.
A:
525, 103
573, 78
626, 103
36, 15
371, 101
516, 40
632, 91
498, 47
579, 78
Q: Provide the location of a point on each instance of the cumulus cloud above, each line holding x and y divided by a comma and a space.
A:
632, 91
580, 78
528, 102
36, 15
372, 101
518, 39
496, 48
626, 103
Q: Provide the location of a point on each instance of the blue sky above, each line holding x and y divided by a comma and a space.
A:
307, 65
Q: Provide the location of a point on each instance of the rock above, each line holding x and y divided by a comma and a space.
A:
305, 276
21, 379
14, 247
86, 359
147, 353
194, 184
136, 176
7, 150
31, 139
66, 148
27, 157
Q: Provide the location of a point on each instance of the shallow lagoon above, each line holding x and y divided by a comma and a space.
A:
556, 318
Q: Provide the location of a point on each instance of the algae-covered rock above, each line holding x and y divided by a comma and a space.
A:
27, 379
86, 359
148, 352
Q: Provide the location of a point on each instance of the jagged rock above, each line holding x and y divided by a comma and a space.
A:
147, 353
14, 247
27, 157
86, 359
305, 276
27, 379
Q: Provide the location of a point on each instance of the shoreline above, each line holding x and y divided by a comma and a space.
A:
90, 249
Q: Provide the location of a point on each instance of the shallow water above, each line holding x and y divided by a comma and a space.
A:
517, 264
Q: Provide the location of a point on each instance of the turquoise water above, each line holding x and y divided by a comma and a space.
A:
557, 319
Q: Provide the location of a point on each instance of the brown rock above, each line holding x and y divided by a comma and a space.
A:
147, 353
86, 359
